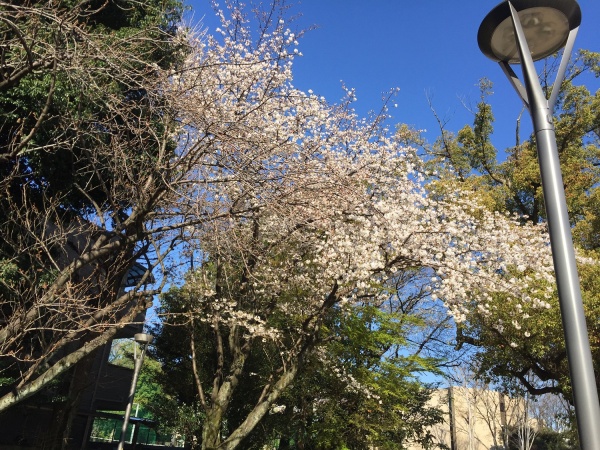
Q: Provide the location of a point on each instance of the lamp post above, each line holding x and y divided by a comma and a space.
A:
143, 340
521, 32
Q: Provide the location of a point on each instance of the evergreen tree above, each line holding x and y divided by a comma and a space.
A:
510, 343
82, 119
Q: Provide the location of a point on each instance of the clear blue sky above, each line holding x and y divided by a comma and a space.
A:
423, 47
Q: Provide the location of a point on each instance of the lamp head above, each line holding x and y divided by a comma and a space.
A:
143, 338
546, 24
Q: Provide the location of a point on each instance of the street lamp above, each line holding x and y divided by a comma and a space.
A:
143, 340
521, 32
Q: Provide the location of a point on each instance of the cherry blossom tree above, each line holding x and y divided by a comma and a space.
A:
312, 209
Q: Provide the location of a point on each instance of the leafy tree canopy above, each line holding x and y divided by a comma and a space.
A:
509, 342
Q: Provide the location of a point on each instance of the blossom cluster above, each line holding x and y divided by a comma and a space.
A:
305, 204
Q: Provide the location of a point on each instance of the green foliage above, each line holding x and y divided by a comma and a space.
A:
359, 389
66, 108
9, 274
469, 160
545, 439
148, 389
372, 397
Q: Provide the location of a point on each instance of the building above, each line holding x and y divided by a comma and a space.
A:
478, 419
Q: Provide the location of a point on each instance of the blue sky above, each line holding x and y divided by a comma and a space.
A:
424, 47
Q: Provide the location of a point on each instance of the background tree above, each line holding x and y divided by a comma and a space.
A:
86, 151
508, 343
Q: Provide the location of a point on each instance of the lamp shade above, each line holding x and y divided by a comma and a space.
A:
143, 338
546, 24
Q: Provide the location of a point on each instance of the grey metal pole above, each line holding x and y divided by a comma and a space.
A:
579, 354
136, 373
583, 382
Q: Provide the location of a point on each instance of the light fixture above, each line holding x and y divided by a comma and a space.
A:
546, 24
143, 338
521, 32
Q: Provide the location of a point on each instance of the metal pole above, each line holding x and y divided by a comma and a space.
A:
579, 354
136, 372
583, 382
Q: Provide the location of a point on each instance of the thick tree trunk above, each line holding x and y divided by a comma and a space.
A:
259, 411
57, 369
211, 430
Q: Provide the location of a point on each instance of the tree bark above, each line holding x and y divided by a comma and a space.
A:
259, 411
